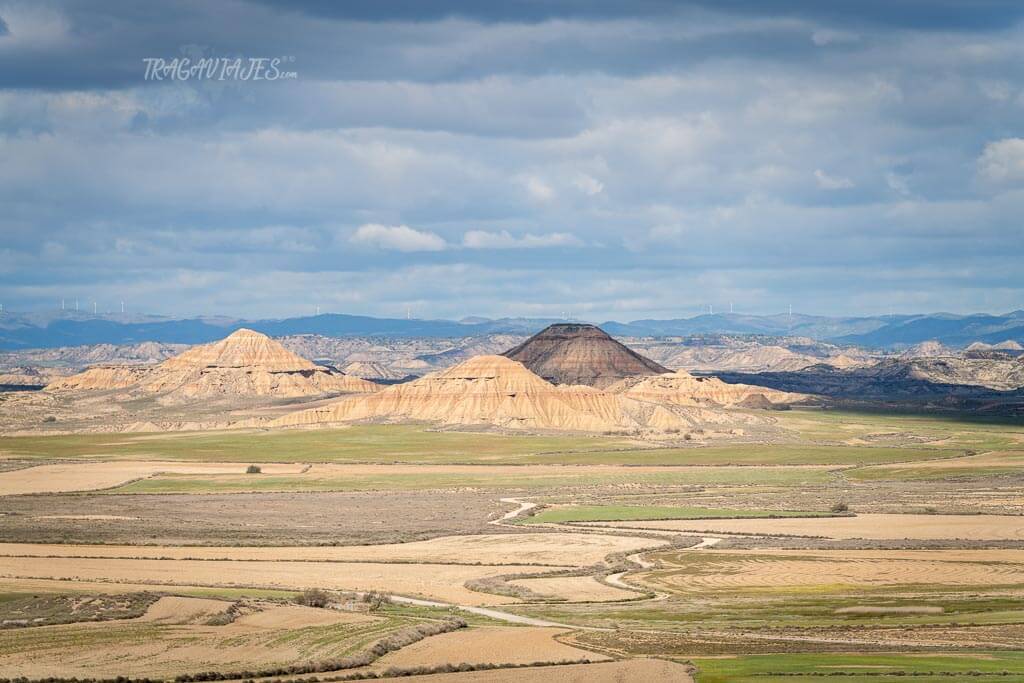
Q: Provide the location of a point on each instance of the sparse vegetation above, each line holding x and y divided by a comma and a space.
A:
313, 597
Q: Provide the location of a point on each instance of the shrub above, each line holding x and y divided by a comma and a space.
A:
313, 597
376, 600
253, 469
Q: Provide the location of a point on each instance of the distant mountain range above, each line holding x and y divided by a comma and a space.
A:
39, 330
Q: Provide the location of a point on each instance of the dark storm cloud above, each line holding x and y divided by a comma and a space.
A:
613, 159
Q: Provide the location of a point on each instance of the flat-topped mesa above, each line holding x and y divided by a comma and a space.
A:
578, 353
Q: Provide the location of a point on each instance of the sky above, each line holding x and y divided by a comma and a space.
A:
603, 160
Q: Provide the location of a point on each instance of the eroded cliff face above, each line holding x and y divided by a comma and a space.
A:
683, 389
500, 392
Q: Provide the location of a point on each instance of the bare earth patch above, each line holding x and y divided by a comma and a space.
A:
178, 610
90, 476
438, 582
563, 549
575, 589
867, 526
486, 645
738, 570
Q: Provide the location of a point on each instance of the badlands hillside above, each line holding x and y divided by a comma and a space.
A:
213, 386
680, 388
500, 392
574, 353
245, 363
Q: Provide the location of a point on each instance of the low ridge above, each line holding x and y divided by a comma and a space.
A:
578, 353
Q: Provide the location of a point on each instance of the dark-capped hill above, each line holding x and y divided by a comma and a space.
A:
576, 353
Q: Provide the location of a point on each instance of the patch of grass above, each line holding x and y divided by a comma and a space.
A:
613, 513
748, 454
880, 666
428, 479
954, 431
359, 443
19, 610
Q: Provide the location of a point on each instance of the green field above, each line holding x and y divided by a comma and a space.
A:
362, 443
613, 513
871, 667
419, 444
953, 431
428, 479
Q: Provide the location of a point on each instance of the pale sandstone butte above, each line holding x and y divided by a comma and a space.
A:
245, 363
576, 353
498, 391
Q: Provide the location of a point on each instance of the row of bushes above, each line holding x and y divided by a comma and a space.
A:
316, 597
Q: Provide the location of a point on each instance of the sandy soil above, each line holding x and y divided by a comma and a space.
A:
440, 582
563, 549
178, 610
648, 670
735, 569
89, 476
501, 645
576, 588
867, 526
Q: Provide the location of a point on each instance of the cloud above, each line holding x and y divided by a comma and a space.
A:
480, 239
537, 189
397, 238
824, 36
1002, 162
588, 184
827, 182
697, 141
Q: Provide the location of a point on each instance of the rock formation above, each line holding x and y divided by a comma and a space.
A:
683, 389
244, 364
497, 391
572, 353
372, 371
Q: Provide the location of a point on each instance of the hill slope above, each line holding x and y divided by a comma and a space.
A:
246, 363
574, 353
497, 391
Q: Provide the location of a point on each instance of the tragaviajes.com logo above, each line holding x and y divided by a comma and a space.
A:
219, 69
